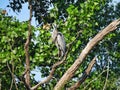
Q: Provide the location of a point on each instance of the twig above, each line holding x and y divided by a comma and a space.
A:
84, 76
13, 77
94, 79
12, 71
106, 76
11, 85
77, 35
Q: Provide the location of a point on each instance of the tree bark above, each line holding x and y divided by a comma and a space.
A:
26, 47
61, 61
84, 76
71, 71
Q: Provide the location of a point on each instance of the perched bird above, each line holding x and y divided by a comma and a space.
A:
58, 39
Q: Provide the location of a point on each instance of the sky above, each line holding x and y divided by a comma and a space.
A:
24, 16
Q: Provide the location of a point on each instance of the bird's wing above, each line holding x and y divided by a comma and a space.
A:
61, 41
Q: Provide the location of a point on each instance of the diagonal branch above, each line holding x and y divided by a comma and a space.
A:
84, 76
70, 72
51, 72
85, 88
56, 65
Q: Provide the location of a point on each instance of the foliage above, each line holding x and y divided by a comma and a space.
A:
71, 17
13, 36
42, 8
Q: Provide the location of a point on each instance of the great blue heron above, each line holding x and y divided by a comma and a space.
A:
58, 39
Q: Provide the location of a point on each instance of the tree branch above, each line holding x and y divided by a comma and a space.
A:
13, 78
84, 76
70, 72
94, 79
26, 47
21, 78
11, 85
51, 73
106, 76
56, 65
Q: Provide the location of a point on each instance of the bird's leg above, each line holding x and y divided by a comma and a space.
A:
59, 52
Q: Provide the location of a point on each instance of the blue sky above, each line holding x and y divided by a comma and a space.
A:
25, 12
22, 16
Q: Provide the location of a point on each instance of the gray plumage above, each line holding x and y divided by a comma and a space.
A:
58, 39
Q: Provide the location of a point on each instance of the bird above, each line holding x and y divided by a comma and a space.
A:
58, 39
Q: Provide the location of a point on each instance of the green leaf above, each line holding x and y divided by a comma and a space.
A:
73, 38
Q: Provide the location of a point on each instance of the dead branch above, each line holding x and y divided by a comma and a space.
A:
56, 65
70, 72
94, 79
84, 76
51, 73
26, 47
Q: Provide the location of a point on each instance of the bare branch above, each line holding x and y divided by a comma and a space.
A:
51, 73
70, 72
94, 79
84, 76
106, 76
56, 65
26, 47
11, 85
